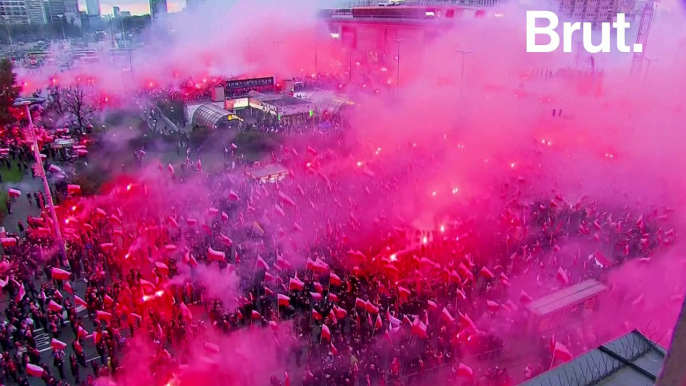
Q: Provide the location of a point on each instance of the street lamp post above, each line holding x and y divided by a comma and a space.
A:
9, 33
464, 55
397, 67
27, 103
126, 45
61, 17
645, 77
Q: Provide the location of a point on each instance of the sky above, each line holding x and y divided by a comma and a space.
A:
136, 7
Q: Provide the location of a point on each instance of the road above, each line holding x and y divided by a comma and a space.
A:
21, 208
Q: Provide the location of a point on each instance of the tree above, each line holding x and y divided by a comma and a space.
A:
74, 102
9, 91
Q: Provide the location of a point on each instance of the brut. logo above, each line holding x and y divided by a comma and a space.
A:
568, 29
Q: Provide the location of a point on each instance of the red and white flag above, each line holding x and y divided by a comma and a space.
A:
53, 306
445, 315
326, 333
560, 352
295, 285
57, 344
80, 302
335, 280
102, 315
68, 288
492, 306
419, 328
283, 300
486, 273
465, 371
261, 263
524, 298
34, 370
215, 255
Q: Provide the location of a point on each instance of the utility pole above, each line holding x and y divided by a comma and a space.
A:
397, 67
642, 37
61, 17
27, 103
464, 55
126, 44
316, 66
645, 77
9, 33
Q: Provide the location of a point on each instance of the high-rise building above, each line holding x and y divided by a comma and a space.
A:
35, 10
55, 8
158, 8
66, 11
93, 7
13, 12
125, 13
593, 11
116, 10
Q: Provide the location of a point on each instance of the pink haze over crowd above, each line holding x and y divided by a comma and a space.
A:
431, 151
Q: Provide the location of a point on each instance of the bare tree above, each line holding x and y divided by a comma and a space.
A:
76, 102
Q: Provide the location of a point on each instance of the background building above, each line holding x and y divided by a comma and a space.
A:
93, 7
594, 11
13, 12
35, 10
157, 8
116, 10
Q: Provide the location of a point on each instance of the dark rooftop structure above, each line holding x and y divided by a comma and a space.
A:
287, 101
630, 360
214, 117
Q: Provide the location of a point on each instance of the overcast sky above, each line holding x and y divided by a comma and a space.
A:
136, 7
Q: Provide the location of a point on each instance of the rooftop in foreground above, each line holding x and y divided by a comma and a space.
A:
630, 360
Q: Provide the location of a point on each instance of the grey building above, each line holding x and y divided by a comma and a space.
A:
116, 10
594, 11
93, 7
35, 10
13, 12
158, 8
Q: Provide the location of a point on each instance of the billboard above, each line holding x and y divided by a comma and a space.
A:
249, 83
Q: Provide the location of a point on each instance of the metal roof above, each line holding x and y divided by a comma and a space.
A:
267, 171
566, 296
630, 360
327, 101
211, 116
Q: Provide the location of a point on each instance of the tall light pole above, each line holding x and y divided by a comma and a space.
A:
397, 66
9, 33
645, 77
27, 103
61, 17
126, 45
464, 55
316, 64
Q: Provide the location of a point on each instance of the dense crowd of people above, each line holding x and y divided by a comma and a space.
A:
388, 305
